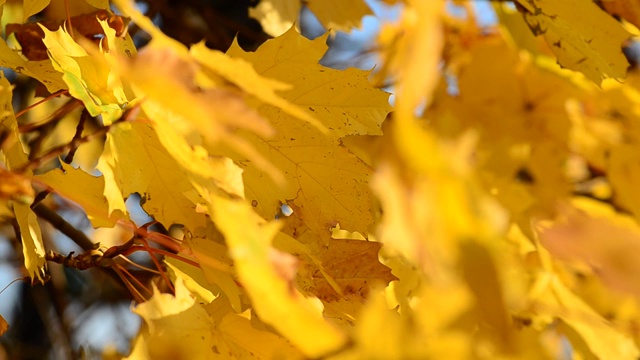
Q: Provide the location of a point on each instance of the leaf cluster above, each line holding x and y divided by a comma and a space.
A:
490, 212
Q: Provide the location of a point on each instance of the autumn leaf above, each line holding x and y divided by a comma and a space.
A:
43, 71
216, 265
274, 299
525, 177
243, 74
277, 17
338, 269
14, 157
350, 105
629, 11
326, 184
30, 35
213, 114
83, 189
599, 339
594, 234
32, 7
583, 37
87, 76
190, 328
352, 264
4, 326
150, 171
411, 54
190, 109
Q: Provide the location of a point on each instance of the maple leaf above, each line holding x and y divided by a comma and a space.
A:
344, 101
216, 265
629, 11
526, 152
43, 71
262, 274
191, 109
83, 189
30, 35
339, 270
579, 321
89, 76
136, 162
277, 17
32, 7
14, 158
352, 264
179, 327
175, 328
325, 182
411, 54
595, 234
583, 37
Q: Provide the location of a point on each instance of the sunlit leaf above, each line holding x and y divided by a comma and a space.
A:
274, 298
277, 17
14, 157
86, 76
41, 70
84, 189
32, 7
149, 170
326, 184
411, 54
583, 37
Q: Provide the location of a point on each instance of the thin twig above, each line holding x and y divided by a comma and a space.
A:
70, 27
63, 226
78, 135
54, 95
57, 151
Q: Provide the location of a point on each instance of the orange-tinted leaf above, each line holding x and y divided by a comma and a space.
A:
4, 326
606, 241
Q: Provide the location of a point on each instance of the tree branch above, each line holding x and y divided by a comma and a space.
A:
63, 226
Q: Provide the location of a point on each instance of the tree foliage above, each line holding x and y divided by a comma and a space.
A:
490, 212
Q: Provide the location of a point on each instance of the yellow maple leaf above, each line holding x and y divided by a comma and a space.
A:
629, 11
189, 113
341, 272
89, 77
32, 7
326, 184
278, 16
83, 189
520, 161
583, 37
215, 263
266, 277
138, 163
344, 101
579, 234
176, 327
14, 156
41, 70
205, 87
411, 53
